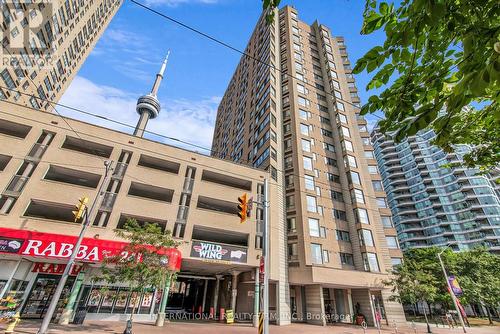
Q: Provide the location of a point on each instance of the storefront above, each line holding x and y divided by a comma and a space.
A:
31, 265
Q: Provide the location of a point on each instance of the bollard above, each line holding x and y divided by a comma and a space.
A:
222, 314
15, 321
211, 315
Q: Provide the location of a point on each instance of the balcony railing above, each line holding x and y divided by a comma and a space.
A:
108, 201
188, 185
16, 186
120, 170
182, 214
36, 152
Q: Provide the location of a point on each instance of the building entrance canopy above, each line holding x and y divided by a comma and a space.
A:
60, 246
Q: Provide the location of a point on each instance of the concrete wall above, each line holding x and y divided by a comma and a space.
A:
314, 305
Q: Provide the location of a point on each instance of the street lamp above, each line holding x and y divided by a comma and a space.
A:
453, 297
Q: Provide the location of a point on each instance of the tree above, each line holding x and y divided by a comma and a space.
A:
443, 58
415, 280
270, 5
477, 273
145, 264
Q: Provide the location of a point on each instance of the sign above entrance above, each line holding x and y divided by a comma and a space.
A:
54, 268
59, 246
218, 252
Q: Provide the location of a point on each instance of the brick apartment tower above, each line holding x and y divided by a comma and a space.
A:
59, 35
299, 119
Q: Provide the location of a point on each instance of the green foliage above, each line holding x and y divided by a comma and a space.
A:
144, 266
443, 55
477, 272
420, 277
270, 5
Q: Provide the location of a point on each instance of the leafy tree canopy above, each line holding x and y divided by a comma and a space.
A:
145, 265
443, 57
270, 5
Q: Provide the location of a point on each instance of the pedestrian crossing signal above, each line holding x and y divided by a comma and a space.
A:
80, 208
242, 208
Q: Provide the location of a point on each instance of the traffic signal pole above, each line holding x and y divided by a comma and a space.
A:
265, 253
57, 294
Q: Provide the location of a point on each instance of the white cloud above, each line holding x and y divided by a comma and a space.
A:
190, 121
174, 3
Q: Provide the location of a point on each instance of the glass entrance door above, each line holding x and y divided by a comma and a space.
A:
41, 294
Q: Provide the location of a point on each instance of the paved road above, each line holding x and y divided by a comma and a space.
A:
29, 327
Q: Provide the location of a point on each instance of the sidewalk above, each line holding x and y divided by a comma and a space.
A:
30, 327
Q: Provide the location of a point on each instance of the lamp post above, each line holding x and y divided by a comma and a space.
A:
453, 297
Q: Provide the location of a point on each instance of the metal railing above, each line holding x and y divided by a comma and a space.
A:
36, 152
16, 185
108, 201
182, 214
120, 169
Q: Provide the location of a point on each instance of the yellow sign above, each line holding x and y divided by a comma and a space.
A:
229, 317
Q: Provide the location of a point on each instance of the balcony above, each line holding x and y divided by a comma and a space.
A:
50, 210
141, 220
16, 186
218, 205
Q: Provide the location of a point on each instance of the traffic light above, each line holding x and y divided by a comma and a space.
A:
80, 208
242, 208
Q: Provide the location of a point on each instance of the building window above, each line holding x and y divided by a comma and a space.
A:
346, 258
348, 146
311, 204
352, 161
343, 236
330, 162
387, 221
336, 195
366, 141
309, 181
362, 216
326, 256
291, 224
292, 250
339, 214
365, 238
290, 201
373, 169
342, 118
333, 177
314, 230
316, 254
396, 261
369, 155
392, 242
7, 78
304, 129
377, 186
370, 262
354, 178
303, 102
381, 202
307, 163
358, 196
340, 105
306, 145
301, 89
329, 147
345, 131
304, 114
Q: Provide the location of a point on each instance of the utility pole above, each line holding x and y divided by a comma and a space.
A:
88, 213
266, 257
453, 297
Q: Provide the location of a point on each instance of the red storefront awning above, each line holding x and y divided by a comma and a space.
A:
60, 246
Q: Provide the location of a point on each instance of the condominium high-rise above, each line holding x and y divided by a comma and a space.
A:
292, 108
44, 45
433, 204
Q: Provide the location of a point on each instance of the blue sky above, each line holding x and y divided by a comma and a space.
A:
126, 58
